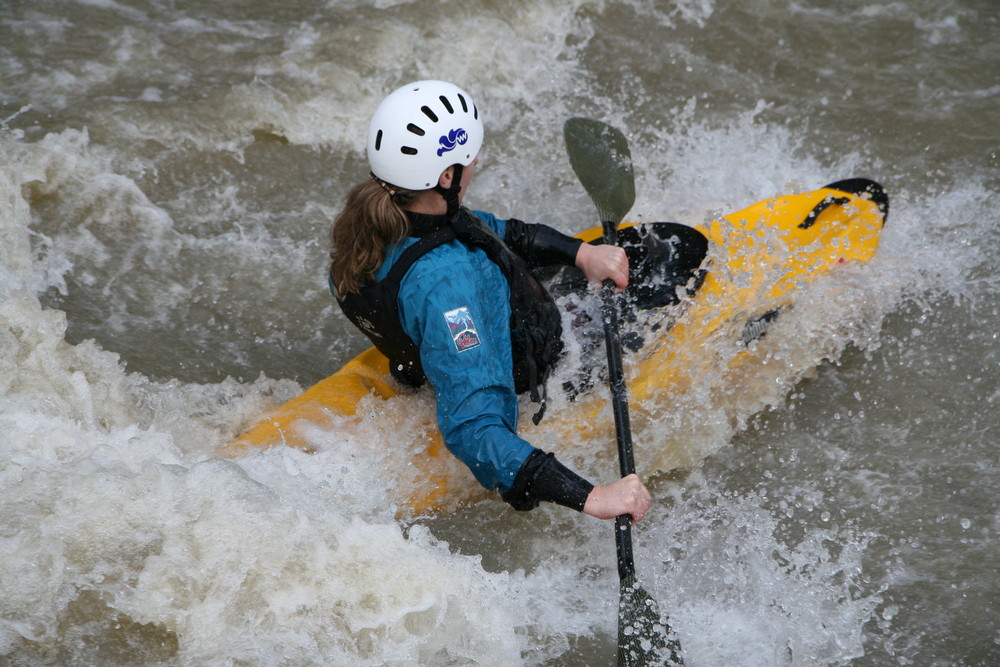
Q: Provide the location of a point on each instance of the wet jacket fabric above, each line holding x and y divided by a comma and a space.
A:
536, 323
454, 303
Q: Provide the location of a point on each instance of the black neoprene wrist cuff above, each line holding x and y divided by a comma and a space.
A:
542, 477
541, 245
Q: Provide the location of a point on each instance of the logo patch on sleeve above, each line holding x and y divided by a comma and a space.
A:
463, 329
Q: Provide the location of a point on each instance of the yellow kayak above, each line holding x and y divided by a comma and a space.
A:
755, 260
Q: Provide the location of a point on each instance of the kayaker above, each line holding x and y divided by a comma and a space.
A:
445, 293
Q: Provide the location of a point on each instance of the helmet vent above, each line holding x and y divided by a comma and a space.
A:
447, 104
430, 114
475, 112
465, 106
378, 141
408, 150
416, 130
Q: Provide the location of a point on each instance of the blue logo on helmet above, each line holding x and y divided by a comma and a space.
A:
452, 140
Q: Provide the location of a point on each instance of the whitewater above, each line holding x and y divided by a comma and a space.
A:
168, 173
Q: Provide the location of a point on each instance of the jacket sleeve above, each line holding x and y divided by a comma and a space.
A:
455, 306
537, 244
451, 305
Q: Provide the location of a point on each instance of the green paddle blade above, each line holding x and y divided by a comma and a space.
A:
644, 634
601, 159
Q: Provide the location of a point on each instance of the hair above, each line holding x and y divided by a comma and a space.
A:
372, 219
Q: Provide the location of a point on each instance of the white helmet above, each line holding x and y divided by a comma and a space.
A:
420, 130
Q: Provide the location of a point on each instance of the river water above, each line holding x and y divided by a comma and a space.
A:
168, 172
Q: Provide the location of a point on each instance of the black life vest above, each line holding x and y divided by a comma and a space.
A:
535, 323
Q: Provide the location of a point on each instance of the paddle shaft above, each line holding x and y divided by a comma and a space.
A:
600, 158
619, 404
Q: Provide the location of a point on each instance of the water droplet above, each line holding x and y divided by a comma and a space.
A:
890, 612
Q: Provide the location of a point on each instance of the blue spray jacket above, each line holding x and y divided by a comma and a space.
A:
454, 304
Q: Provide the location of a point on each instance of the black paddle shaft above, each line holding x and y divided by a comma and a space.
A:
619, 405
600, 157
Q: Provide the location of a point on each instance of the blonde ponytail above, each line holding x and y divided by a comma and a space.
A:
371, 221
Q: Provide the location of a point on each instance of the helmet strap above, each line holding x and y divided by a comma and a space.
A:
450, 194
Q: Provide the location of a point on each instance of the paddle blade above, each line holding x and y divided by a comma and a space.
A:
601, 159
644, 635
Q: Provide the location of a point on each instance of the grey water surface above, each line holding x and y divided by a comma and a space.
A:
168, 173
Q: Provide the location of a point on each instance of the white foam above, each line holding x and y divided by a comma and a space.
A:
114, 512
